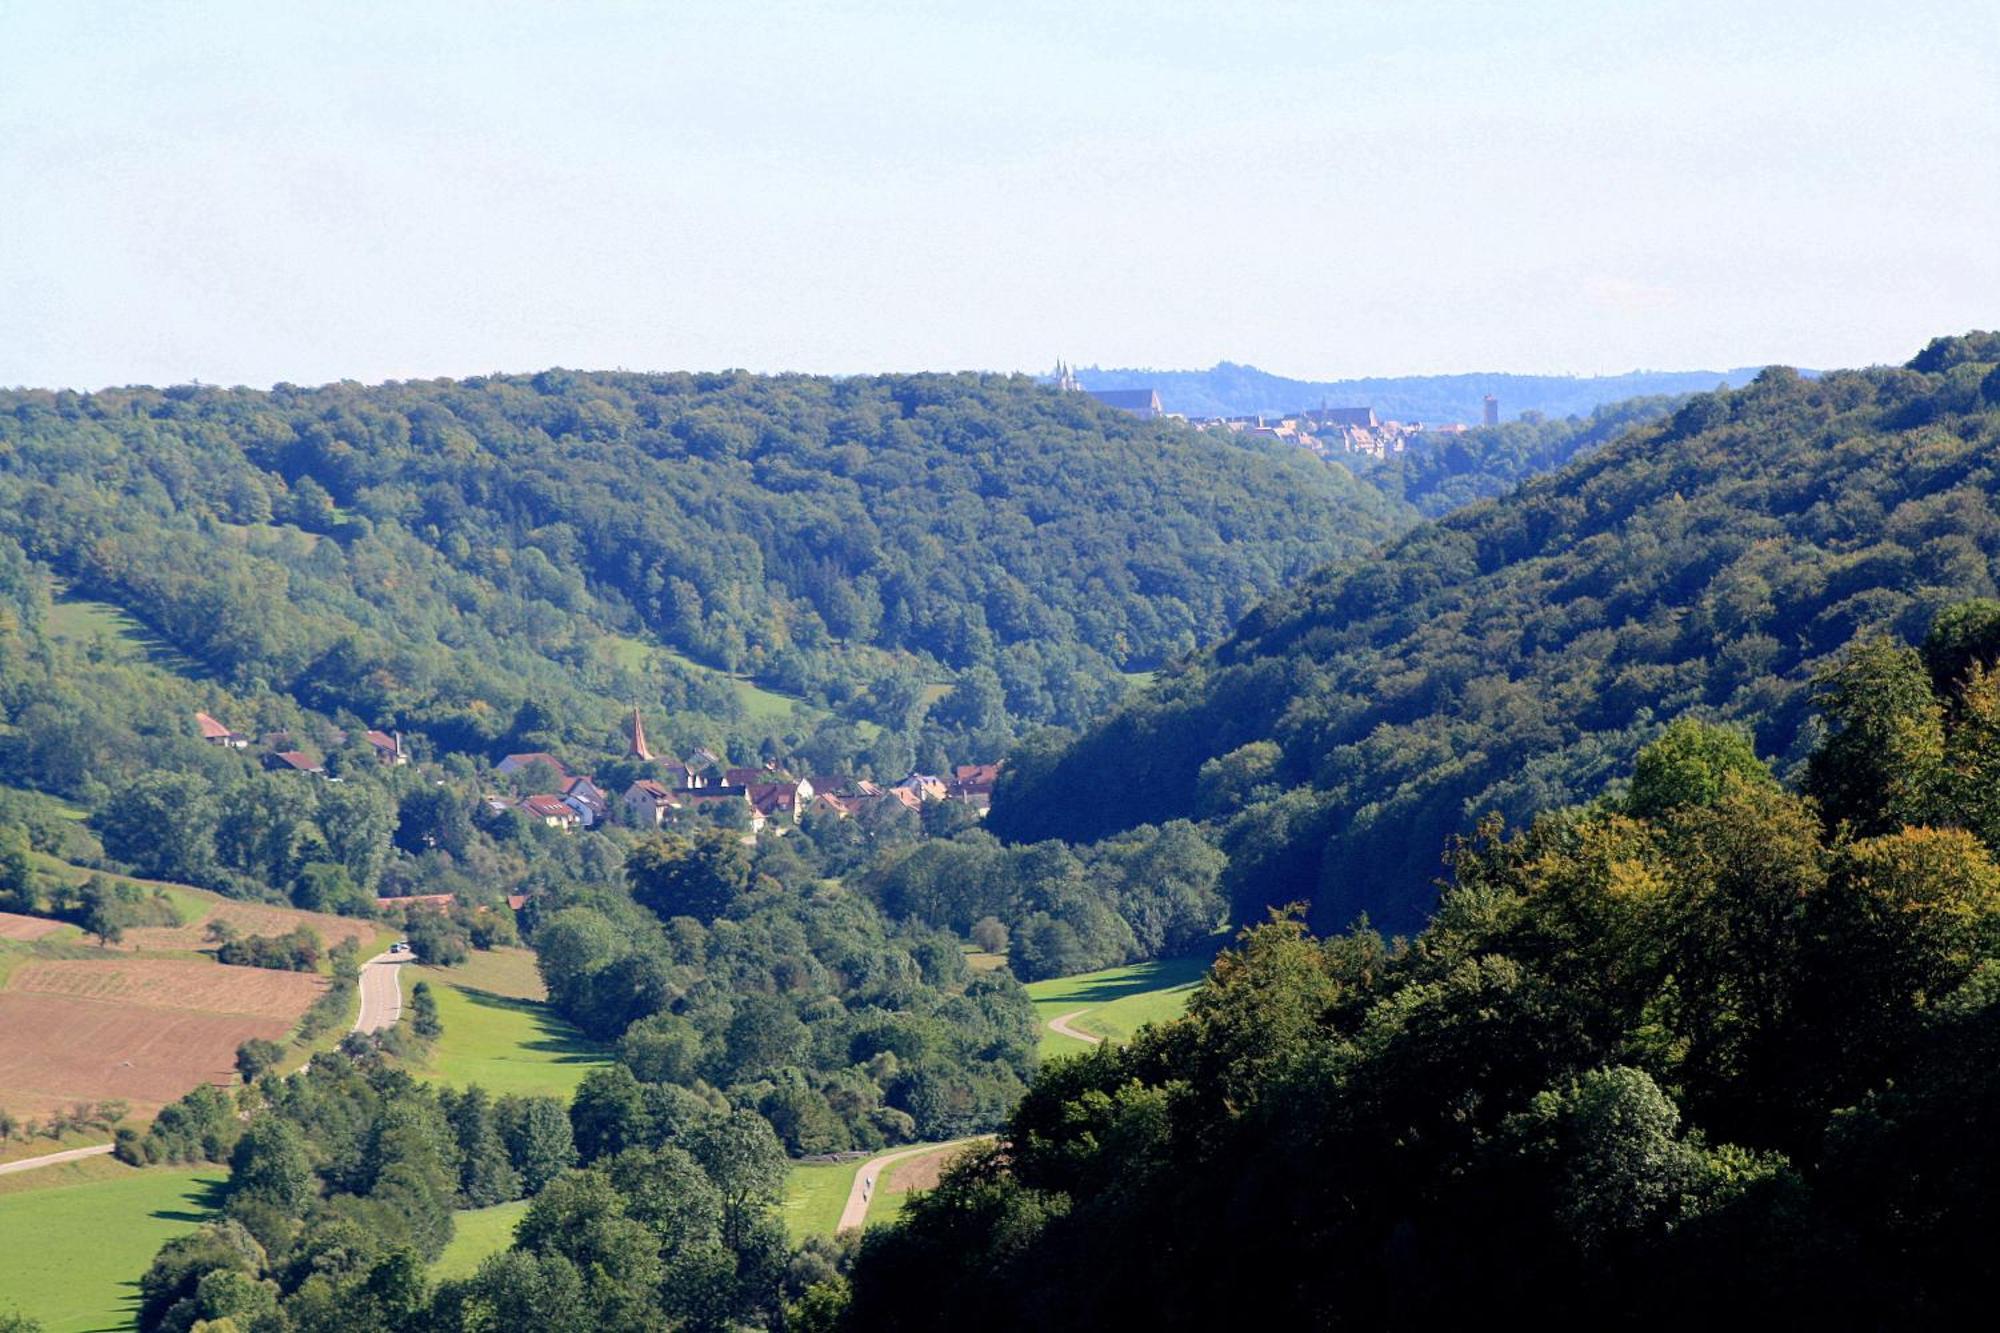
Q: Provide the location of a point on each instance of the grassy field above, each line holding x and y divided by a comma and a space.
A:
71, 1253
116, 634
477, 1233
48, 805
1116, 1002
624, 651
815, 1192
759, 704
497, 1031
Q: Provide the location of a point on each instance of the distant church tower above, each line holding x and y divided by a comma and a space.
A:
638, 750
1066, 379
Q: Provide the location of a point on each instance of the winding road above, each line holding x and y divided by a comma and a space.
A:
1060, 1026
862, 1192
381, 992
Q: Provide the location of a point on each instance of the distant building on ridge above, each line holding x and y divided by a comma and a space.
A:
1492, 410
1141, 403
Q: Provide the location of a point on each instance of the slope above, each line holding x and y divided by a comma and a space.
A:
440, 555
1513, 655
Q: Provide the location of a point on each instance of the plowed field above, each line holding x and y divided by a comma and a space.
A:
16, 927
139, 1030
249, 919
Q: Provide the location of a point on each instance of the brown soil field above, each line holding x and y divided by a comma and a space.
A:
172, 983
59, 1050
141, 1030
14, 927
249, 919
919, 1173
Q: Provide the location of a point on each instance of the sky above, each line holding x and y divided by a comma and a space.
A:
247, 194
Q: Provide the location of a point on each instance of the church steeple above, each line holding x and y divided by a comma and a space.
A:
1066, 379
638, 750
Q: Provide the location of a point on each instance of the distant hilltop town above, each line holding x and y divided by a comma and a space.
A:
1328, 432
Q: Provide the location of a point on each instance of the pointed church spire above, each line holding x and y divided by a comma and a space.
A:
638, 748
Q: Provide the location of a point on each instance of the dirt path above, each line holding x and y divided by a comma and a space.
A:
53, 1159
1060, 1026
862, 1192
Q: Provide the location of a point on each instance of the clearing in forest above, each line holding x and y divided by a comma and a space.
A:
498, 1031
476, 1234
1116, 1002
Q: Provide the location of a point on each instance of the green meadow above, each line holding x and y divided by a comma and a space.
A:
759, 704
498, 1033
1116, 1002
115, 634
477, 1233
815, 1192
71, 1253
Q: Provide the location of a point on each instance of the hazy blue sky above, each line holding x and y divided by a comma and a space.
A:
246, 194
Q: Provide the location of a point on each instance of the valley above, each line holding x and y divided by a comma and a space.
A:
743, 966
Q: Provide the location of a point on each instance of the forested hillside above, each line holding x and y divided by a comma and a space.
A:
1707, 1053
1516, 654
437, 555
1439, 471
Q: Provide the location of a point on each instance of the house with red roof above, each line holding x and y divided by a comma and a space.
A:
553, 811
388, 747
216, 734
779, 800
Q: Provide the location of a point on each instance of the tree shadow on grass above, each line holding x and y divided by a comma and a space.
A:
203, 1201
1162, 974
559, 1041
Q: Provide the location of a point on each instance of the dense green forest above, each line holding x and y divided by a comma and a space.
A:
1513, 656
1228, 389
437, 555
1707, 1051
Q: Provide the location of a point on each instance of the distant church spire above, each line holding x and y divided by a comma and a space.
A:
638, 748
1066, 379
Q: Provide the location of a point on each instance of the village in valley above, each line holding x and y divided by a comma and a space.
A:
767, 797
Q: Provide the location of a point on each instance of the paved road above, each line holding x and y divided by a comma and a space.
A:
54, 1159
1061, 1027
862, 1192
381, 992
